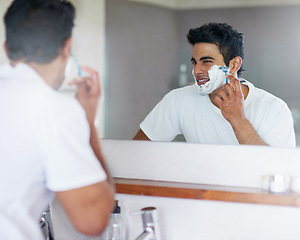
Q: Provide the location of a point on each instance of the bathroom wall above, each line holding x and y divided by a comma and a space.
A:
88, 42
206, 164
3, 6
272, 47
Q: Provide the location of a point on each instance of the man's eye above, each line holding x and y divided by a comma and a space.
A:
194, 63
207, 61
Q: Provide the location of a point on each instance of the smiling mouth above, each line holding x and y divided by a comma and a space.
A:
202, 81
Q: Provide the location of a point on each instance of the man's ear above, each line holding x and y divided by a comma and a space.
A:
66, 48
5, 49
235, 64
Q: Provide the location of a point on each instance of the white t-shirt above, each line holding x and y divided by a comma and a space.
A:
44, 148
185, 111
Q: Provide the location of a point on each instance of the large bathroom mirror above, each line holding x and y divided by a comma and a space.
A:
146, 45
138, 47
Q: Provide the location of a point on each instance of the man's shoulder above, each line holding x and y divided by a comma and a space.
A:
262, 97
5, 70
63, 104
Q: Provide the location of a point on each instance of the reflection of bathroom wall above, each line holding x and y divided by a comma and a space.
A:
203, 4
271, 43
142, 58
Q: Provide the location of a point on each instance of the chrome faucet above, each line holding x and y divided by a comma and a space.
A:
150, 224
46, 224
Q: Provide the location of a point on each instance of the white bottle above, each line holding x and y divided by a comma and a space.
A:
116, 228
182, 78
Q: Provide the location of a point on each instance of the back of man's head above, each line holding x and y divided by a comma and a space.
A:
36, 30
229, 40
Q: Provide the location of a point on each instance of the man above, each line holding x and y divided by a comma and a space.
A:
48, 141
213, 111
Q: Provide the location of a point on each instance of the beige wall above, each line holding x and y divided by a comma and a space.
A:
88, 37
88, 41
3, 6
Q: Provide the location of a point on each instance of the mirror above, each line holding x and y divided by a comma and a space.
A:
146, 44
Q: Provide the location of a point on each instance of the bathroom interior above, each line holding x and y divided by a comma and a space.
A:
140, 50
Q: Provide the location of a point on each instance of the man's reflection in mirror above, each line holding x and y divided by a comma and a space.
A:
221, 107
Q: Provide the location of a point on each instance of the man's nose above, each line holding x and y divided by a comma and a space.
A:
198, 69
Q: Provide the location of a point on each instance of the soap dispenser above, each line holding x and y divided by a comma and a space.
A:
116, 228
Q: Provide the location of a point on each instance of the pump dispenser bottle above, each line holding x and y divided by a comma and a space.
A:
116, 228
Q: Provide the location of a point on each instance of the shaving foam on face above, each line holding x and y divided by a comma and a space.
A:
217, 79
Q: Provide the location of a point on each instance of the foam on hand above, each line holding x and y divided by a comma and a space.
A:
72, 70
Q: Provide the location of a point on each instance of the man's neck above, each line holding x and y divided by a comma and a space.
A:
48, 72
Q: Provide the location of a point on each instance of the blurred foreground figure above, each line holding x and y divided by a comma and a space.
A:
48, 142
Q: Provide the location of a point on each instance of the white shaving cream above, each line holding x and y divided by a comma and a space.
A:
217, 79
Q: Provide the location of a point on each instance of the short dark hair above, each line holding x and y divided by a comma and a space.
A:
229, 40
37, 29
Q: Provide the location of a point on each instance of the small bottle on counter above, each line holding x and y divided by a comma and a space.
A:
116, 228
183, 77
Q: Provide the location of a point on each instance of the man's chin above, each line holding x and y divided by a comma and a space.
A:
204, 90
